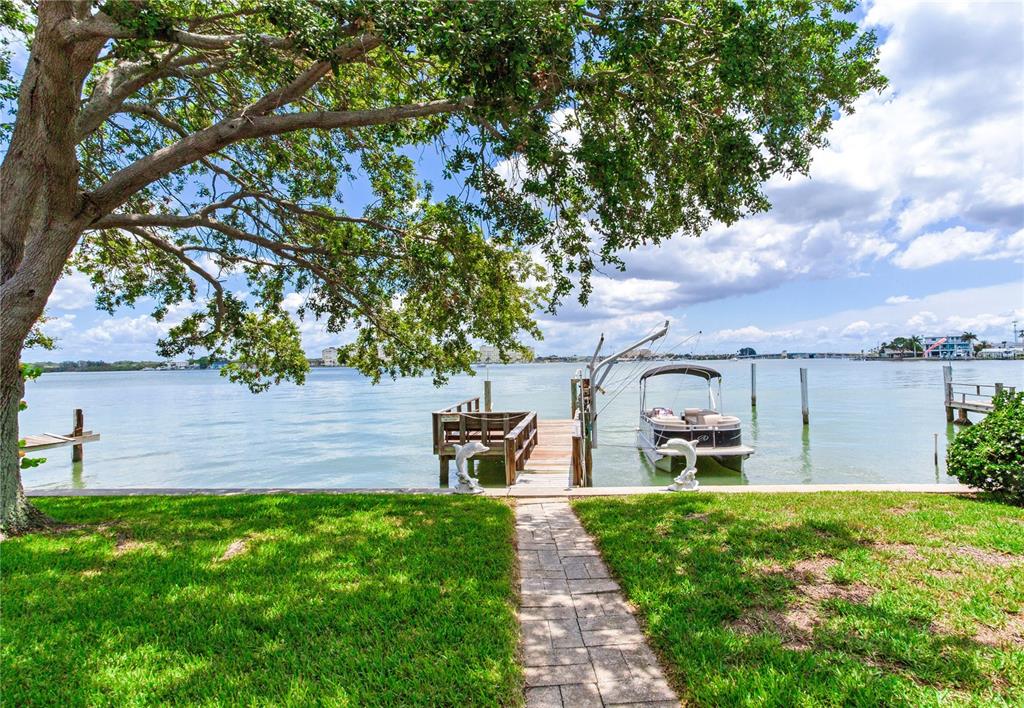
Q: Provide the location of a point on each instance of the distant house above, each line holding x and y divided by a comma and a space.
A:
329, 356
949, 347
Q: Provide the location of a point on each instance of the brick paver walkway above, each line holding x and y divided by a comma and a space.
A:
581, 643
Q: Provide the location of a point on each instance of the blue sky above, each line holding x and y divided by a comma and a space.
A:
911, 222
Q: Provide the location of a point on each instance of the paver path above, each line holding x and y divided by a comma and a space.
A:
581, 643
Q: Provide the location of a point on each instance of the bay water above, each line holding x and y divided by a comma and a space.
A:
870, 422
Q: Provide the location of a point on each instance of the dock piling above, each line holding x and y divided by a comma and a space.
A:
487, 396
804, 409
753, 385
947, 385
78, 429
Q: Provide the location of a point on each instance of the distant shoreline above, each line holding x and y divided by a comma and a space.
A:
127, 367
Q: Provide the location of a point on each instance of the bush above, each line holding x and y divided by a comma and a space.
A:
990, 455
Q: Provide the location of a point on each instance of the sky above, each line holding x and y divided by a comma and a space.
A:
911, 222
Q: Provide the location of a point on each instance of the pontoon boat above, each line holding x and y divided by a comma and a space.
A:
717, 436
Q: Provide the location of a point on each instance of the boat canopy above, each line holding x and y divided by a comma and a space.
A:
704, 372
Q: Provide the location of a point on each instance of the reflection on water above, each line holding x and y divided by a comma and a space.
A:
805, 455
77, 481
871, 422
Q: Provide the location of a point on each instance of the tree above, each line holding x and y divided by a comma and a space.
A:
161, 145
969, 337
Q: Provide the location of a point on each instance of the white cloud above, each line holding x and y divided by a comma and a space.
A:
856, 329
898, 300
752, 333
949, 245
73, 292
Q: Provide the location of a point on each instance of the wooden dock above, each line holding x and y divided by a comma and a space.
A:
968, 397
550, 463
76, 438
45, 441
535, 453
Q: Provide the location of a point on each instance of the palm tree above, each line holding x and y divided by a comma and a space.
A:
969, 337
916, 343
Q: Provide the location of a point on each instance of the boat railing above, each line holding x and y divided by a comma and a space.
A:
519, 443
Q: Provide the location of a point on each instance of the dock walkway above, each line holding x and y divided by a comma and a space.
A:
549, 466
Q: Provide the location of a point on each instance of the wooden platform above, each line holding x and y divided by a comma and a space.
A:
550, 464
46, 441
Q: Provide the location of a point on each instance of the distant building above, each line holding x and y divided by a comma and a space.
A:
1004, 350
489, 354
329, 356
638, 355
951, 347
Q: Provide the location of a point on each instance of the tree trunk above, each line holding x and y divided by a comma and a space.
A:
16, 514
41, 219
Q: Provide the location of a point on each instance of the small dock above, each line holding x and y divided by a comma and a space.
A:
536, 453
968, 397
76, 438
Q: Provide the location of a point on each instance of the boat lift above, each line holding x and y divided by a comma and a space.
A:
599, 371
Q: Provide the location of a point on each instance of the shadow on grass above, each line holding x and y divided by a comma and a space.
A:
328, 599
696, 565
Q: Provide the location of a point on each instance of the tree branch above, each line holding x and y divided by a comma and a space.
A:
307, 79
180, 254
101, 26
164, 161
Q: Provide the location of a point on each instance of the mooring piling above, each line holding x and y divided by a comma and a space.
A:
947, 386
753, 385
804, 409
487, 395
78, 428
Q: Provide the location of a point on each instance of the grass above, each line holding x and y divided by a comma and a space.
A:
309, 599
825, 599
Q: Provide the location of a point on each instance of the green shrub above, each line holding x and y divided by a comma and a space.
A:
990, 455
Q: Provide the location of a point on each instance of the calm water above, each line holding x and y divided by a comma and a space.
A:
870, 422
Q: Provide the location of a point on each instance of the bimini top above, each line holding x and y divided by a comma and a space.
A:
704, 372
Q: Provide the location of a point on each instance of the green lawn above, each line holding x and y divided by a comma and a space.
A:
825, 599
342, 600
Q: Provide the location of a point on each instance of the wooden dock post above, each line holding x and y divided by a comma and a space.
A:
487, 396
573, 394
947, 386
753, 385
804, 409
78, 429
999, 389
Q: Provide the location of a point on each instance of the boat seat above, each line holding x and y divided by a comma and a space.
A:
720, 420
698, 416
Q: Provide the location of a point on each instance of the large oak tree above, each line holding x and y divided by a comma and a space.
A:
170, 148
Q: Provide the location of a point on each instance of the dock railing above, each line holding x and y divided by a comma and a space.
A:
519, 443
964, 397
510, 435
578, 457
